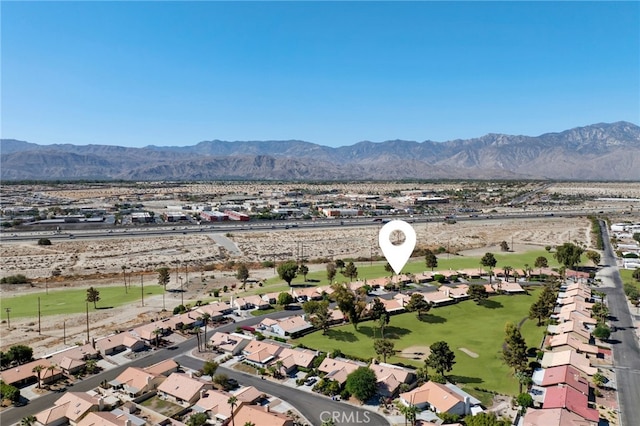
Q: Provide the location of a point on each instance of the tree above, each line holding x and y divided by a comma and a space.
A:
593, 256
196, 331
409, 412
163, 276
91, 366
602, 332
514, 349
477, 293
20, 354
93, 295
9, 392
361, 383
599, 379
636, 236
232, 401
205, 320
377, 312
156, 335
389, 268
504, 246
285, 299
44, 242
319, 314
303, 270
242, 274
600, 311
539, 311
430, 259
568, 254
340, 264
288, 271
489, 261
507, 272
222, 380
28, 421
384, 347
350, 271
485, 419
124, 277
441, 357
523, 379
331, 272
38, 369
418, 304
345, 299
198, 419
541, 262
524, 401
636, 274
209, 368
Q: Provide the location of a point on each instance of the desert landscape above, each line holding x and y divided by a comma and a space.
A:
99, 262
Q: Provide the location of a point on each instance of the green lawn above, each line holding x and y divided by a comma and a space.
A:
376, 270
479, 329
627, 278
71, 301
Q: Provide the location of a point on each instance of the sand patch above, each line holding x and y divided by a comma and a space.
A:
415, 352
468, 352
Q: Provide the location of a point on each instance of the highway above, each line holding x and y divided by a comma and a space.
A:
626, 353
100, 231
310, 405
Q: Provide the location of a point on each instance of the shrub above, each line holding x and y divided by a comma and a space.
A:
15, 279
44, 242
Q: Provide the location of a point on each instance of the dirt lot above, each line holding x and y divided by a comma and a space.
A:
99, 262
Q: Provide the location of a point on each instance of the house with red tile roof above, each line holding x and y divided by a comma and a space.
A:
260, 415
69, 408
438, 398
232, 343
261, 353
135, 381
163, 368
390, 377
183, 388
564, 375
214, 404
555, 417
569, 357
119, 342
569, 398
566, 341
338, 368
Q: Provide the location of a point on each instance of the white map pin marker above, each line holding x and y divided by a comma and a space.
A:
397, 256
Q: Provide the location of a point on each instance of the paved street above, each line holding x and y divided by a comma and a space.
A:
314, 407
310, 405
626, 354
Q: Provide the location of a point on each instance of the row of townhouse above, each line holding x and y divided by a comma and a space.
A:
561, 389
163, 379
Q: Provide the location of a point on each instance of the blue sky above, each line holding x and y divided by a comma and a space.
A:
333, 73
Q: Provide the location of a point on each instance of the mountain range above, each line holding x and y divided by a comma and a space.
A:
603, 151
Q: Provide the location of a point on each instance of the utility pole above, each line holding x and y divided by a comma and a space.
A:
46, 285
87, 305
8, 311
181, 292
64, 332
39, 316
142, 288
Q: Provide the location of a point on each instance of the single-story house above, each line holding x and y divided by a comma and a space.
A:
70, 408
569, 357
119, 342
22, 375
554, 417
338, 369
390, 377
214, 404
163, 368
291, 326
261, 353
260, 415
183, 388
249, 302
438, 398
232, 343
294, 358
569, 398
136, 381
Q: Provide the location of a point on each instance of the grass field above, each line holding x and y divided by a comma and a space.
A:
71, 301
376, 270
479, 329
627, 278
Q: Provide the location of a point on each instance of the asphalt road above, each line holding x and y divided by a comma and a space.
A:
310, 405
626, 353
314, 407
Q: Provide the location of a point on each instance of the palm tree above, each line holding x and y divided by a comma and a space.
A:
232, 401
409, 412
205, 318
156, 333
249, 424
38, 369
507, 272
196, 330
91, 366
279, 367
28, 421
50, 369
